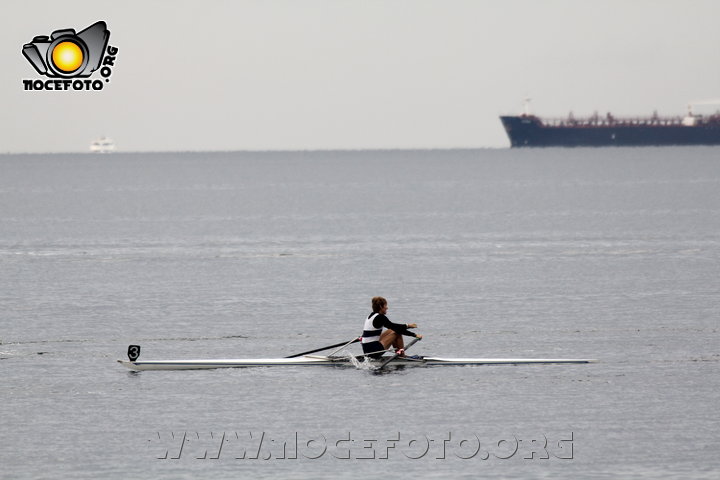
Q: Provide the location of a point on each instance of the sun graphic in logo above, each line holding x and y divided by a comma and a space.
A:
67, 56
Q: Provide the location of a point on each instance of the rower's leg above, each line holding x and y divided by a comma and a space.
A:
390, 338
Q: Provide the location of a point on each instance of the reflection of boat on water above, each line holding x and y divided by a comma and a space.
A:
102, 145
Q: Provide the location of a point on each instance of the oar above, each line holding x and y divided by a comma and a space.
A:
358, 339
341, 344
412, 342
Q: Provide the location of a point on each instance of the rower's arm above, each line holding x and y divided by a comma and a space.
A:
400, 328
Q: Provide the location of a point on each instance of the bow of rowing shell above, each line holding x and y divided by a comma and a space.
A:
312, 360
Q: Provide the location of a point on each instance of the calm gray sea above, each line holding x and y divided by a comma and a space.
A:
611, 254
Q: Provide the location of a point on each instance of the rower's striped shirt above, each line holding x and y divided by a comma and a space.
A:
374, 324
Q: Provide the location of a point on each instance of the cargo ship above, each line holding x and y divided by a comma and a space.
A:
528, 130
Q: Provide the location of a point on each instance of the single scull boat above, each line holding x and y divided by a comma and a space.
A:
330, 360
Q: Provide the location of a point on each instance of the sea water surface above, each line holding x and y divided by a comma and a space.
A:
610, 254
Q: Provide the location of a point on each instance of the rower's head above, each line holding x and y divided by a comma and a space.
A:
379, 304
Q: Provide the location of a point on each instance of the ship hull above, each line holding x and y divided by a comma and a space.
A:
528, 131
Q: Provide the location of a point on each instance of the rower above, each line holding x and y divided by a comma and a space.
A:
374, 340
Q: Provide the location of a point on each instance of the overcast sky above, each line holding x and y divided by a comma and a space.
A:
333, 74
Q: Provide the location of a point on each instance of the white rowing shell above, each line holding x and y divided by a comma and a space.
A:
310, 360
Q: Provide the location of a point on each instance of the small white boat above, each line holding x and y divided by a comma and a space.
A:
332, 360
102, 145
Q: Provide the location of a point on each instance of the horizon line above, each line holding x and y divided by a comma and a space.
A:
309, 150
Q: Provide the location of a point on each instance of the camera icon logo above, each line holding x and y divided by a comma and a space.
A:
67, 54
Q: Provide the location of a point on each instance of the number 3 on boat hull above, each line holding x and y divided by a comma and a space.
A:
133, 352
